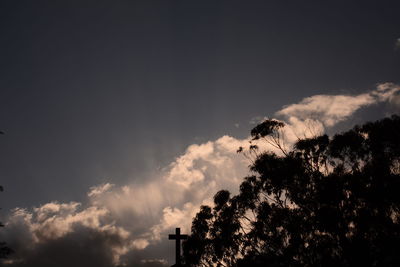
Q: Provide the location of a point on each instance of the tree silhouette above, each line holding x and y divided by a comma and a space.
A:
326, 202
4, 250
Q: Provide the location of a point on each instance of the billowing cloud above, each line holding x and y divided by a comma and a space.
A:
128, 225
128, 220
64, 229
316, 113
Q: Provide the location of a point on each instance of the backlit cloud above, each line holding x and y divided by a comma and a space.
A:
314, 114
331, 109
128, 225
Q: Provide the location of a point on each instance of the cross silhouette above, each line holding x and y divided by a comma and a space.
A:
178, 237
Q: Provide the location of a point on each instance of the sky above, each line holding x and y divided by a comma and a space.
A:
122, 117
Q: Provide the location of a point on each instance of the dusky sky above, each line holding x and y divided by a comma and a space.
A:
97, 92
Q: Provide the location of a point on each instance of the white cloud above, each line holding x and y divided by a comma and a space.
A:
314, 114
100, 189
138, 215
140, 243
257, 119
388, 92
328, 109
119, 220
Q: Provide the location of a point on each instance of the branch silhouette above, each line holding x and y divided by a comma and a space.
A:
329, 201
4, 249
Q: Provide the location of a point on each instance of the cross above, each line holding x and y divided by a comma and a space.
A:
178, 237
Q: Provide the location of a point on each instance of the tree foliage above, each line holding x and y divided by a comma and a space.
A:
329, 201
4, 250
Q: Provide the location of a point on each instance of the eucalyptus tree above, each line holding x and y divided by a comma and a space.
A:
328, 201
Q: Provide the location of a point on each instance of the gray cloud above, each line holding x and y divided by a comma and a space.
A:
64, 235
83, 246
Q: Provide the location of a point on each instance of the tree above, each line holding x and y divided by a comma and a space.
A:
326, 202
4, 250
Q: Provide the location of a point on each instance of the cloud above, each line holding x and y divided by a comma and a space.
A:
100, 189
397, 44
127, 220
128, 225
257, 119
314, 114
327, 108
52, 234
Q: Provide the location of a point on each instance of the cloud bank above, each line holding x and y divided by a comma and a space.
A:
128, 225
122, 225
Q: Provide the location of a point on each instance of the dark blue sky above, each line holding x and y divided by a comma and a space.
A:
96, 91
